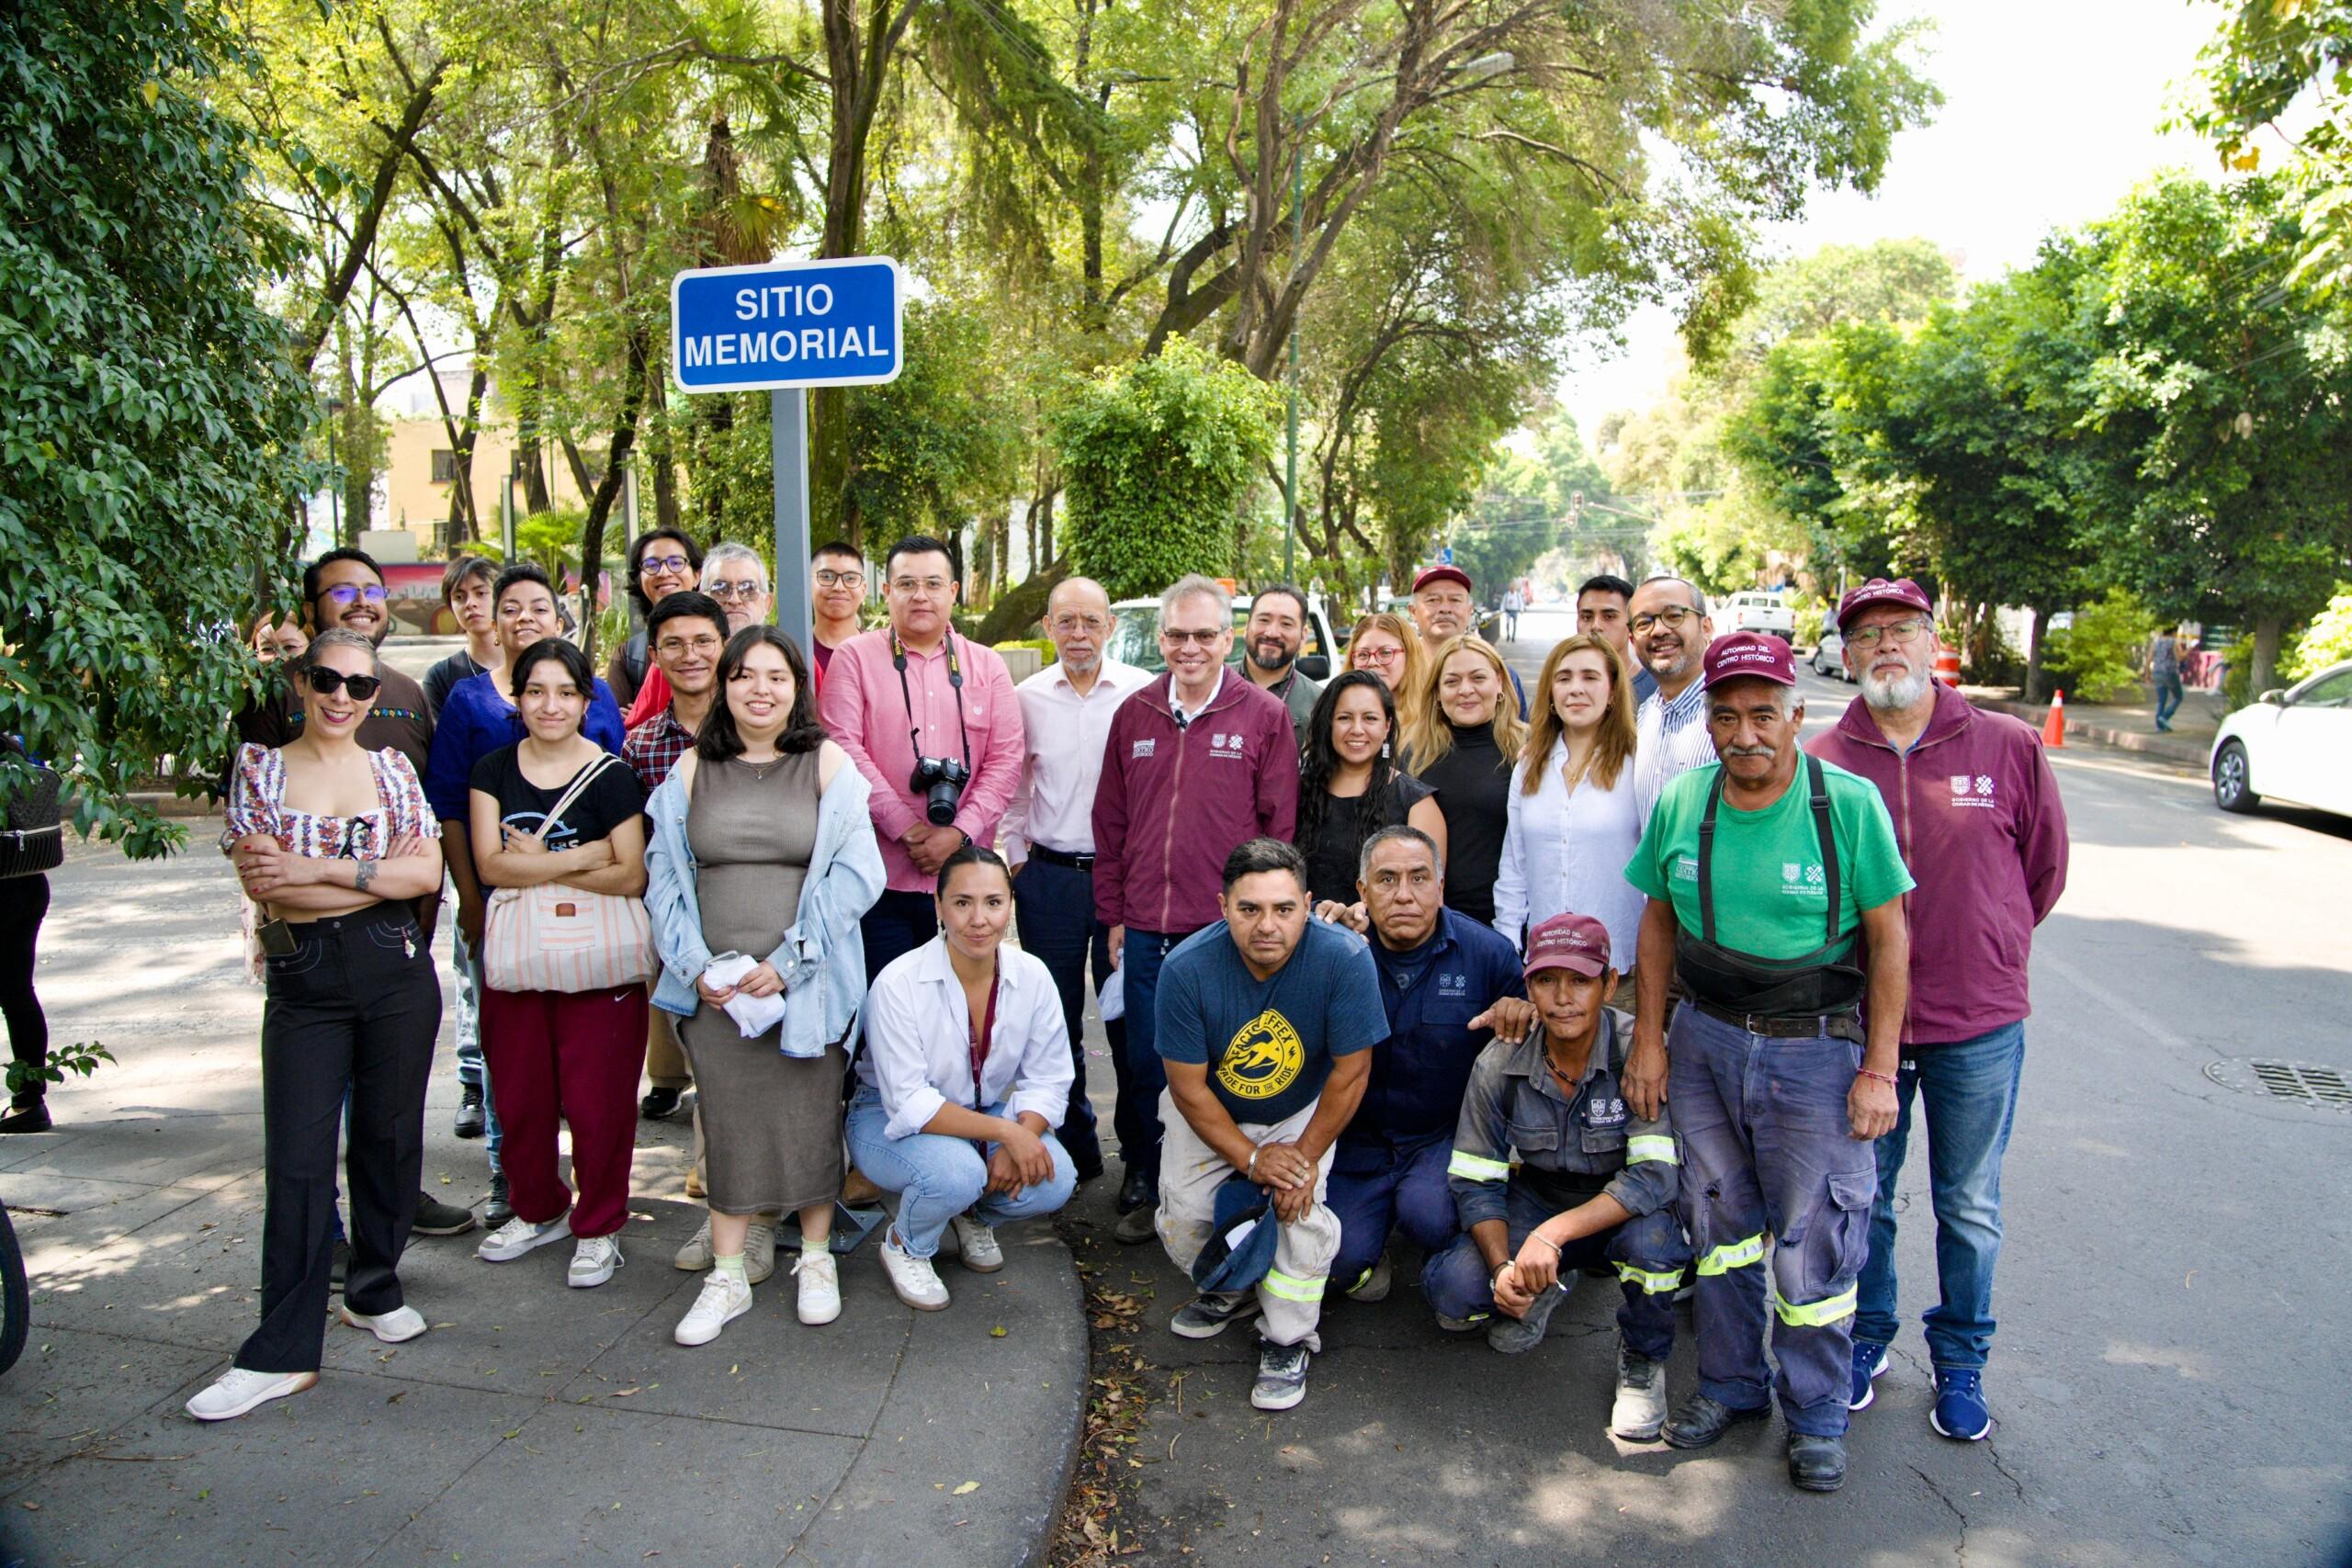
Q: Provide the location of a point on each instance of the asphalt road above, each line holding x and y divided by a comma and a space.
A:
2172, 1363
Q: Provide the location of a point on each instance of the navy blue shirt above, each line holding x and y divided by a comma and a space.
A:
1429, 995
477, 719
1269, 1044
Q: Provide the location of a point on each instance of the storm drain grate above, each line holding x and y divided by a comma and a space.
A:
2300, 1083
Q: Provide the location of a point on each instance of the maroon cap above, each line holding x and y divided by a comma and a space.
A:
1749, 653
1442, 574
1569, 941
1879, 591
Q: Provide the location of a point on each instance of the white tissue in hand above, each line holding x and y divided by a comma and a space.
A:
1114, 1001
754, 1015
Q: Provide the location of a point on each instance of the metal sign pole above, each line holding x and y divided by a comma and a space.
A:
788, 444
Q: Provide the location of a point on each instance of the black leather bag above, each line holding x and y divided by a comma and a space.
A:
34, 839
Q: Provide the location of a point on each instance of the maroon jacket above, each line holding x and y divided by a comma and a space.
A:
1977, 814
1173, 803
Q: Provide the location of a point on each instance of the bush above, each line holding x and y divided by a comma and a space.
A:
1043, 645
2095, 658
2327, 641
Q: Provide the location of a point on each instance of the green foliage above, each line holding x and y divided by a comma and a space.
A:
1524, 508
2096, 656
150, 421
2327, 641
2237, 675
2271, 56
80, 1058
1158, 458
939, 443
550, 539
1043, 645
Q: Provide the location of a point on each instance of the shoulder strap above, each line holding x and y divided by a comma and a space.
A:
1707, 860
579, 787
1824, 830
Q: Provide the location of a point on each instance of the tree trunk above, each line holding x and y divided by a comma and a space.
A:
1022, 604
2036, 680
2269, 630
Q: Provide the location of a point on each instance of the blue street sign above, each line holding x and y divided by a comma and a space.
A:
1445, 555
810, 323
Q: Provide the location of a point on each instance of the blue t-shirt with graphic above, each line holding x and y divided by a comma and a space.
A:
1269, 1044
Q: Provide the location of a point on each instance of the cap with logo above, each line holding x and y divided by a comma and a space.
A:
1881, 591
1569, 941
1745, 654
1441, 574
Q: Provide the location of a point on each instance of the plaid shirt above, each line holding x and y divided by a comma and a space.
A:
655, 747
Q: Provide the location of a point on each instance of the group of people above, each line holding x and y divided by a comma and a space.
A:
1611, 974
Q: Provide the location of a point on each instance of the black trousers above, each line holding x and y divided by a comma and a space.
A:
24, 903
352, 1011
1054, 905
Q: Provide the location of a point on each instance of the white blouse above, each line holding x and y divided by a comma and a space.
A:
1566, 851
918, 1040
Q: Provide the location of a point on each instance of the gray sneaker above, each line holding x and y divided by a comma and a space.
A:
1207, 1315
1516, 1335
1639, 1412
1282, 1376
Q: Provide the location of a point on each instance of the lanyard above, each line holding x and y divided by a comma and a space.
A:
977, 1048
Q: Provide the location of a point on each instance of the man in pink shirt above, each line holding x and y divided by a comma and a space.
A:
931, 719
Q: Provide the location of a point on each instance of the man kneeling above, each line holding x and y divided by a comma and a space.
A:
1594, 1182
1266, 1022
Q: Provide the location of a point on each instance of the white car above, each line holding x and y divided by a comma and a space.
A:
1830, 652
1758, 612
1134, 636
2294, 746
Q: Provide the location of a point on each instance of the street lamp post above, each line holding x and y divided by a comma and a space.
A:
1297, 238
335, 482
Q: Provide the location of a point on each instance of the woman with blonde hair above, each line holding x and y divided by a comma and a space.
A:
1465, 745
1573, 820
1390, 646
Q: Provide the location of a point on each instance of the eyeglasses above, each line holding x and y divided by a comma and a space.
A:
1205, 637
1673, 615
934, 586
828, 578
653, 564
749, 588
344, 592
671, 646
1081, 623
1904, 632
327, 682
1376, 655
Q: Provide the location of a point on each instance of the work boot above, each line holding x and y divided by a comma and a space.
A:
1701, 1420
436, 1218
1640, 1409
498, 1210
1817, 1463
659, 1103
471, 1121
1135, 1225
1375, 1284
1516, 1336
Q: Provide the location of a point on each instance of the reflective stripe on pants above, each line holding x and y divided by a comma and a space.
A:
1289, 1298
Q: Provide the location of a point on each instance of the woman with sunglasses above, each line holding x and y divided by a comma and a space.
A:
331, 840
1350, 787
762, 863
664, 562
1390, 646
569, 1057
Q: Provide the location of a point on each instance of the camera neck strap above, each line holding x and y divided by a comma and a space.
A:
906, 696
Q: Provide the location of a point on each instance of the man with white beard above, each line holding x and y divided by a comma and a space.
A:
1981, 826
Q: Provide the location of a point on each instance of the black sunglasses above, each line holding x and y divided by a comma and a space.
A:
326, 682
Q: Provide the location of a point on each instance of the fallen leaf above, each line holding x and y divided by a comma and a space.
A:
960, 1490
998, 1332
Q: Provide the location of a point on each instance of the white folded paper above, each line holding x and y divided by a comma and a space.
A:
1113, 1000
754, 1015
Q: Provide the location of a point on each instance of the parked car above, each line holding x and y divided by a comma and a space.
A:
1758, 612
1830, 652
1134, 636
2294, 745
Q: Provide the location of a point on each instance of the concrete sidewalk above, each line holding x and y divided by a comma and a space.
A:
535, 1423
2122, 726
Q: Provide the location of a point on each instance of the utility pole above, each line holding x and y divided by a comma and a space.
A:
1297, 238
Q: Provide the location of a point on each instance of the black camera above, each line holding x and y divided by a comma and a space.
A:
941, 782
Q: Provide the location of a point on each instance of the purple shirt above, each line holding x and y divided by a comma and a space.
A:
1982, 829
866, 713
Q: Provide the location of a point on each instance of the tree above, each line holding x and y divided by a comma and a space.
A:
938, 445
1528, 507
2271, 56
1160, 458
154, 417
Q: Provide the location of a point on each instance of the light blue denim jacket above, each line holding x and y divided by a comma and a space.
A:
823, 956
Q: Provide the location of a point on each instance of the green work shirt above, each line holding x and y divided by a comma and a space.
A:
1771, 891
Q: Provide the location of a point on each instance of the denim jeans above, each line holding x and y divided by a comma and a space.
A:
2169, 696
938, 1178
470, 1070
1970, 1089
1146, 1075
1055, 908
1648, 1254
1767, 1149
1379, 1184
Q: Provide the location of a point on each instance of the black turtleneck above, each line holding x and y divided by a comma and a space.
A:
1473, 784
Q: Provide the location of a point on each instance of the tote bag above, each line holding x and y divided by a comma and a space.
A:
553, 938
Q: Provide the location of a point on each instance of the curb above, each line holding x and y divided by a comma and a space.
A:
2164, 748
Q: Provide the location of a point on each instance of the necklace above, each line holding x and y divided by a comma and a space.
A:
759, 770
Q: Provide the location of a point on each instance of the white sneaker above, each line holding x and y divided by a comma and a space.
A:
981, 1253
239, 1390
723, 1299
913, 1277
594, 1260
695, 1254
759, 1251
820, 1287
397, 1326
519, 1235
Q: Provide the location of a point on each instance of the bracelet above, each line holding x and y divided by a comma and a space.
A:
1539, 1235
1497, 1274
1250, 1170
1887, 1078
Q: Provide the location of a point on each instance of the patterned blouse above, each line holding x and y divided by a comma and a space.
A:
258, 804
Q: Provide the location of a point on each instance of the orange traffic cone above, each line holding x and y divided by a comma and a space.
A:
2053, 728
